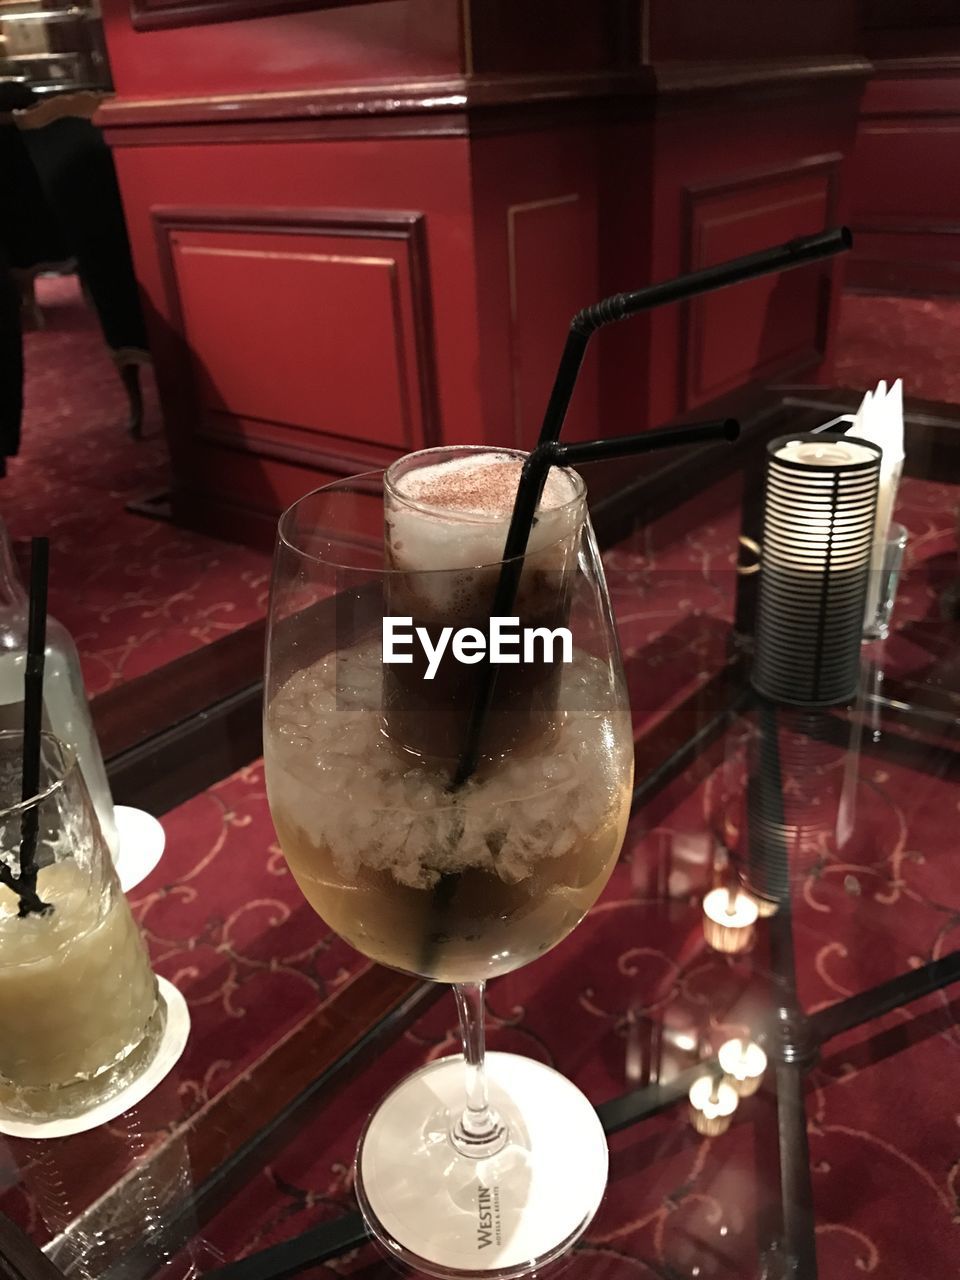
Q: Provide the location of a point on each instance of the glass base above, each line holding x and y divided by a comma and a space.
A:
45, 1103
143, 1071
504, 1215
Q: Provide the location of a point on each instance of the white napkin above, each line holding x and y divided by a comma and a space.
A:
880, 420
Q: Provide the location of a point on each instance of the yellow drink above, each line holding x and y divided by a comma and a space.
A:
79, 1008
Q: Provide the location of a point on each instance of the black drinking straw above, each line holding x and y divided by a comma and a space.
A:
533, 475
548, 453
783, 257
32, 726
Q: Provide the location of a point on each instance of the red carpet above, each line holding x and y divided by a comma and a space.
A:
917, 339
134, 593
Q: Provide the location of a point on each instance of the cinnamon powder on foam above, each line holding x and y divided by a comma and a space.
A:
479, 488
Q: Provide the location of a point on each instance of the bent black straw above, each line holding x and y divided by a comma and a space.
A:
532, 478
32, 726
783, 257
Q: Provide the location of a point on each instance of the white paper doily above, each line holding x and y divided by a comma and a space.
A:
141, 839
168, 1053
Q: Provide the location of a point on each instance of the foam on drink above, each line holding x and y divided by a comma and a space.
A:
455, 514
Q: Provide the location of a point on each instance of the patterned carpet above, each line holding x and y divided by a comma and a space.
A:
917, 339
133, 592
638, 969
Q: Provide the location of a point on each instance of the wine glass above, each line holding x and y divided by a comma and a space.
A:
498, 1168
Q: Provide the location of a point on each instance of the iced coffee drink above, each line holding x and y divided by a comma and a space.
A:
446, 525
456, 884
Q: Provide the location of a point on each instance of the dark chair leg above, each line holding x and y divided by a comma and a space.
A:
130, 377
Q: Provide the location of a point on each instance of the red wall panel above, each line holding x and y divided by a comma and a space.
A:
769, 165
552, 274
550, 35
770, 325
312, 360
908, 145
626, 247
906, 213
397, 38
249, 304
535, 223
744, 29
302, 328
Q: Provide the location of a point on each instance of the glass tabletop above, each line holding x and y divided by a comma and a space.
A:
846, 1159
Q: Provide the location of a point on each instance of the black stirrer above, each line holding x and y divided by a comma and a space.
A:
32, 726
620, 306
783, 257
533, 475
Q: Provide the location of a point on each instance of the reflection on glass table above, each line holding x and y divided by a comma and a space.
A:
636, 1005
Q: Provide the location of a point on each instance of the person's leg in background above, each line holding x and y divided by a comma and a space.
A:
11, 364
28, 235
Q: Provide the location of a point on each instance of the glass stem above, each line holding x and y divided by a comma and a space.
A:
479, 1131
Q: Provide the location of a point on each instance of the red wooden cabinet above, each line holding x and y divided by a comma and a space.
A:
906, 208
364, 229
256, 295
